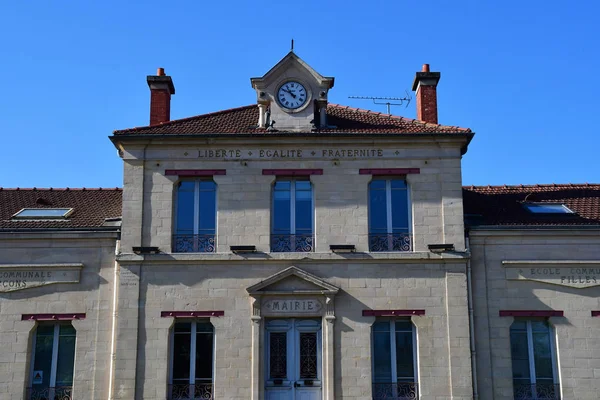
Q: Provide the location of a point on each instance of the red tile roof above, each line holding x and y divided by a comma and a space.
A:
90, 207
244, 120
503, 205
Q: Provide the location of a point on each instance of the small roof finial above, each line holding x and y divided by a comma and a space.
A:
292, 45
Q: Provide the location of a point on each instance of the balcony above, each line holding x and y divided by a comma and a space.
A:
390, 242
292, 243
536, 391
50, 393
199, 391
395, 391
194, 243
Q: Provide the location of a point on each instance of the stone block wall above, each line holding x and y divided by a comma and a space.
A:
92, 296
576, 333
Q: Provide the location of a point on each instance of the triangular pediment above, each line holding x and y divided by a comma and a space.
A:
293, 280
290, 61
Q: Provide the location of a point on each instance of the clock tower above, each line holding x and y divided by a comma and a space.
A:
292, 96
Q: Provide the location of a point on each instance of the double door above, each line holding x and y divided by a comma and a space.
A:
293, 359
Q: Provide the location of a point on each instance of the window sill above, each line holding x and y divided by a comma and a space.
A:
397, 257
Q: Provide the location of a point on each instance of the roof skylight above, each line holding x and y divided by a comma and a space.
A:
43, 213
547, 208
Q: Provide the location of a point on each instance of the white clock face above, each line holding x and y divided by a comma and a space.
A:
292, 95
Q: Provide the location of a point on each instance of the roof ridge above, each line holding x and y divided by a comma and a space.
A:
399, 117
210, 114
66, 189
535, 185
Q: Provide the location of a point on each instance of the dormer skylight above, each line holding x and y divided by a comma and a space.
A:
547, 208
43, 213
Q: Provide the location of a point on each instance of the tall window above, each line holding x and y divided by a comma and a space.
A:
191, 361
394, 356
292, 221
389, 215
533, 361
195, 217
53, 362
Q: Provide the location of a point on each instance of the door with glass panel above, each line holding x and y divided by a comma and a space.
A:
293, 359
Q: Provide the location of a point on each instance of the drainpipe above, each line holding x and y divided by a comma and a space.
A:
471, 323
113, 334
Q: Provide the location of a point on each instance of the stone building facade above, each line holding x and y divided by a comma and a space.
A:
297, 249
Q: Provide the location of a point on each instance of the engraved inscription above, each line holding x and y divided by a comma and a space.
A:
17, 277
572, 276
293, 306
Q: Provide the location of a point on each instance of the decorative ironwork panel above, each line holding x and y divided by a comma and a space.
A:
308, 355
201, 391
50, 393
395, 391
278, 355
292, 243
536, 391
194, 243
390, 242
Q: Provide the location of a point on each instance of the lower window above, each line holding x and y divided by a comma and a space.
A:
53, 362
192, 358
533, 361
394, 360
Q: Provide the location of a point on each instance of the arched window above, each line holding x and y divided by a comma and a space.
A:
53, 362
195, 217
292, 217
394, 359
533, 360
389, 215
192, 360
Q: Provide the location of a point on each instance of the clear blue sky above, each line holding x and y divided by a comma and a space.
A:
522, 74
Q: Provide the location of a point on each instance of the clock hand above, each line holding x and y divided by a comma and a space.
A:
290, 92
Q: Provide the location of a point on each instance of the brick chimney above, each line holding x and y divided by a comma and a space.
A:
425, 85
161, 89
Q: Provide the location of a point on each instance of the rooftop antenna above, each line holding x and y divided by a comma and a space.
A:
388, 101
292, 45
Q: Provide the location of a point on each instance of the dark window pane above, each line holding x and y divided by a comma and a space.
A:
377, 184
67, 330
185, 208
399, 211
43, 353
398, 184
382, 361
303, 186
281, 211
204, 355
381, 326
282, 185
66, 360
208, 186
377, 211
404, 355
304, 211
278, 355
404, 326
542, 355
519, 355
207, 213
181, 354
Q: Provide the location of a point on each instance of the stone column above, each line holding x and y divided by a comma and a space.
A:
329, 350
256, 346
85, 360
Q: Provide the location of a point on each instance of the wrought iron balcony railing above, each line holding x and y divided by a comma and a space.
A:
390, 242
395, 391
536, 391
292, 243
50, 393
199, 391
194, 244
